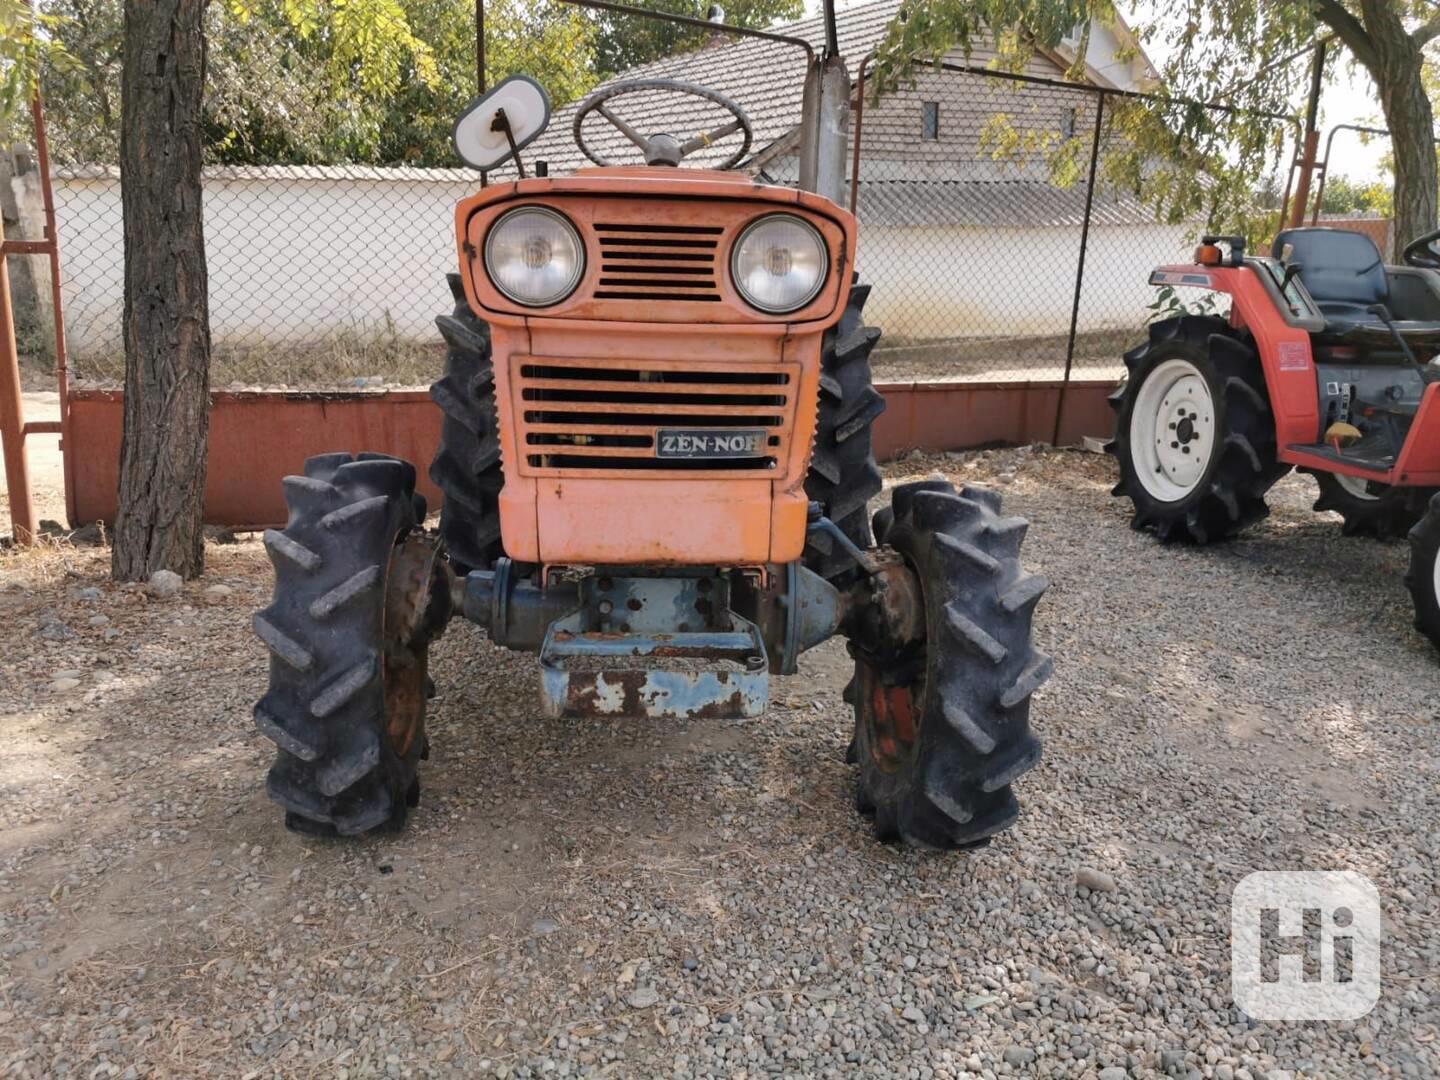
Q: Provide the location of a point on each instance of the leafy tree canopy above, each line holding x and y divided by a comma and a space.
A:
1192, 162
311, 81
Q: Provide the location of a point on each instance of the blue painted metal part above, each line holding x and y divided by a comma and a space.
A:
583, 669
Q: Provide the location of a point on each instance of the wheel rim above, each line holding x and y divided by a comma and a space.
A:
1172, 430
1357, 487
1435, 580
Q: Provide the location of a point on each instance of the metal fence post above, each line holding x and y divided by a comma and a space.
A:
12, 417
1080, 265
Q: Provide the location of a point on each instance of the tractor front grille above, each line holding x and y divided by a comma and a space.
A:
579, 414
658, 262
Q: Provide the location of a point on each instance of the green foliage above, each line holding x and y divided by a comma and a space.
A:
1346, 196
319, 81
1169, 304
23, 47
1193, 164
625, 41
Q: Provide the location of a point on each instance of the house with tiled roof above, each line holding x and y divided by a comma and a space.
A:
955, 189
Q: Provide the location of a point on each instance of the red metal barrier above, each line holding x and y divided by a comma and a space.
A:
255, 439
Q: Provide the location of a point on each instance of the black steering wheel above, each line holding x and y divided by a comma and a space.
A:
1421, 251
664, 149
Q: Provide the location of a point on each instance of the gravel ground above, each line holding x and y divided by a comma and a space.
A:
645, 899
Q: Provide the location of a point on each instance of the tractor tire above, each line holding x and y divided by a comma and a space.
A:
1369, 509
346, 701
942, 725
843, 476
1423, 577
466, 468
1201, 477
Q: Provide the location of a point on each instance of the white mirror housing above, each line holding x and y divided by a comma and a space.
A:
527, 108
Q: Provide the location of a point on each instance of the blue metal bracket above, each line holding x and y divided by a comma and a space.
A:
629, 651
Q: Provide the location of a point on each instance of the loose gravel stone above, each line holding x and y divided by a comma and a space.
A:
164, 584
620, 898
1095, 880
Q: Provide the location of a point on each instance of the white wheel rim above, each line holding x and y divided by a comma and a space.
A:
1356, 487
1435, 584
1172, 430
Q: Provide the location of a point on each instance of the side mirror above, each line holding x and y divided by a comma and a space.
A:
481, 142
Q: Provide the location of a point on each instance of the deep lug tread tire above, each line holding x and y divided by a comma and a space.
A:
335, 770
1231, 495
467, 468
981, 668
843, 476
1421, 578
1392, 513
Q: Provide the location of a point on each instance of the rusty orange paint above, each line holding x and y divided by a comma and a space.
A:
556, 507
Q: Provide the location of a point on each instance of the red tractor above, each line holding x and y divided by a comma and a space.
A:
1324, 364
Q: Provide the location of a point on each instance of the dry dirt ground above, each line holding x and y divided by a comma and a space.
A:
639, 899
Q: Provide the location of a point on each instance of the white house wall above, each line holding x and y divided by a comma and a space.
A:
932, 283
290, 261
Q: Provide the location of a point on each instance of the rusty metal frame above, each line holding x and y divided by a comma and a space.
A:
13, 428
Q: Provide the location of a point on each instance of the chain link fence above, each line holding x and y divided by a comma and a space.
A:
992, 252
997, 249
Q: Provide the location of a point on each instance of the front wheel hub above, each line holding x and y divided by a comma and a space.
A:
1172, 430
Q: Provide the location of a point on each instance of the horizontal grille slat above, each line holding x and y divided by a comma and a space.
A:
593, 416
658, 262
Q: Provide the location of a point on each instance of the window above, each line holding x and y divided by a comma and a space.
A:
929, 120
1067, 123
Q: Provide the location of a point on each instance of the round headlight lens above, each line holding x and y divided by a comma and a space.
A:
779, 263
534, 256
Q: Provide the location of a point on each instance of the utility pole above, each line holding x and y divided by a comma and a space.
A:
1311, 144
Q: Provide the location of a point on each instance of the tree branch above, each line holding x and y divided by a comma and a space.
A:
1350, 30
1427, 32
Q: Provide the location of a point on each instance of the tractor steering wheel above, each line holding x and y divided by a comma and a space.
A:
1421, 251
664, 149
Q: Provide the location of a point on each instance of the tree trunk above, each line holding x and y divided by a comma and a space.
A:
167, 319
1397, 72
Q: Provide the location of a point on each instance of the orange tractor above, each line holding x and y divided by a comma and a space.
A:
1325, 364
656, 465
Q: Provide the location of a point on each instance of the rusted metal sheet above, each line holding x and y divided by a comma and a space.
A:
257, 438
656, 694
957, 416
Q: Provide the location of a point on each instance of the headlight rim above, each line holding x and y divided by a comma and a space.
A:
581, 259
820, 278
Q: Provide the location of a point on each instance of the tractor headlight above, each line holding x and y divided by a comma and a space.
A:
778, 264
534, 256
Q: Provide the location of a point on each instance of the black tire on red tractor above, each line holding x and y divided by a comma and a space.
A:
843, 476
466, 468
942, 724
346, 701
1190, 497
1423, 576
1367, 509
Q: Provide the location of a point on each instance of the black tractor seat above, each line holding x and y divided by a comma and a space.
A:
1345, 276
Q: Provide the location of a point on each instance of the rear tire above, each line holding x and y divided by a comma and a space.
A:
1369, 509
843, 476
346, 704
466, 468
963, 693
1423, 577
1194, 389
